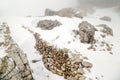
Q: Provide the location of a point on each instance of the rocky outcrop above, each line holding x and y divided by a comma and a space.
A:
14, 65
48, 24
86, 32
106, 29
105, 18
58, 61
65, 12
49, 12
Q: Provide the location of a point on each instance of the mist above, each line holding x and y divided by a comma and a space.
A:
100, 3
37, 7
32, 7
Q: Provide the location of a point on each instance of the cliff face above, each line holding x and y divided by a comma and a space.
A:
14, 64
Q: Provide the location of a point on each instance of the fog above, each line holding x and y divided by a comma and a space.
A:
32, 7
37, 7
100, 3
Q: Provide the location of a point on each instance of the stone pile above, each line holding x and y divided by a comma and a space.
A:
14, 65
58, 61
48, 24
86, 32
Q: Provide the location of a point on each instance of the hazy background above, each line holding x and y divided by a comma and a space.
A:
37, 7
100, 3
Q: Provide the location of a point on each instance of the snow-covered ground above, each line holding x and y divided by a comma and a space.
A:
105, 65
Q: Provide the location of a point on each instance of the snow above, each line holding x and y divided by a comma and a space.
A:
2, 48
105, 65
2, 52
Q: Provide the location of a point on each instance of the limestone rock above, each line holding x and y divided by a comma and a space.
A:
106, 29
76, 32
49, 12
66, 12
86, 32
87, 64
48, 24
82, 78
80, 71
105, 18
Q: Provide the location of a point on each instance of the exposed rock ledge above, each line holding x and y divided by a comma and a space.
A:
13, 66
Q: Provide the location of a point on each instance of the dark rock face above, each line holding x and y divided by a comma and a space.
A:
58, 62
13, 66
86, 32
66, 12
48, 24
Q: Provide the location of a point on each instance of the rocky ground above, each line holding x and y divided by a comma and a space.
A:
14, 65
60, 46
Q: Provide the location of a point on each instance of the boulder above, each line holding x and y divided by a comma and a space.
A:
49, 12
86, 32
14, 65
87, 64
48, 24
65, 12
106, 29
105, 18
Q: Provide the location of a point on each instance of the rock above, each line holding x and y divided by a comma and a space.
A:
105, 18
82, 78
34, 61
103, 36
29, 77
87, 64
65, 12
3, 66
80, 71
106, 29
58, 61
49, 12
14, 65
48, 24
111, 53
70, 78
108, 47
76, 32
86, 32
1, 43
